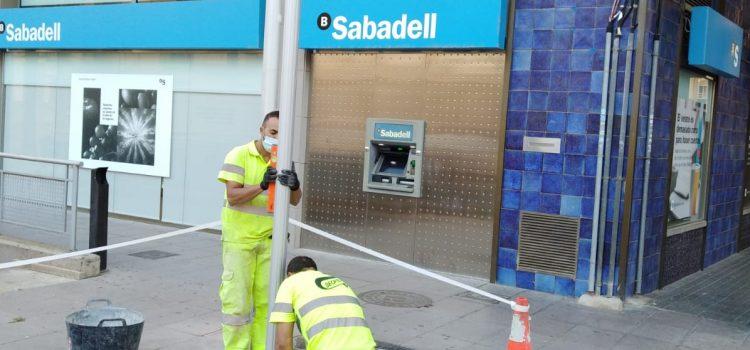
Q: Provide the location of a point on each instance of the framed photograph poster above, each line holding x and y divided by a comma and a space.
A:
123, 122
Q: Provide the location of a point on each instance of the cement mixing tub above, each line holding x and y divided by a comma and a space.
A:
104, 327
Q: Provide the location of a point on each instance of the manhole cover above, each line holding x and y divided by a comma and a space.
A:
153, 254
396, 298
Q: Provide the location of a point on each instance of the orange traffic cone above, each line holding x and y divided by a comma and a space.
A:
520, 329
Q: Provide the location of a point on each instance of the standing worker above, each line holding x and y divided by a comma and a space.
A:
329, 313
246, 228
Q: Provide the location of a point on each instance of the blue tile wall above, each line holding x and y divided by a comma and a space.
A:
555, 85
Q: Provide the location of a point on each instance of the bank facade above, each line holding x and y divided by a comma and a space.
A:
493, 147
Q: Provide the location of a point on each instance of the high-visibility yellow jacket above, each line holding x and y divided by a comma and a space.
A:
329, 313
248, 222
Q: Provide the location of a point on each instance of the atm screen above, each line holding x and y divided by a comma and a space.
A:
394, 164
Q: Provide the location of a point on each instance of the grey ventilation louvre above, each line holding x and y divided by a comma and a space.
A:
698, 2
548, 244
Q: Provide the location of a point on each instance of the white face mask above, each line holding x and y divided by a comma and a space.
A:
269, 142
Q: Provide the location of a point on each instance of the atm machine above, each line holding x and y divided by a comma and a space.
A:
393, 157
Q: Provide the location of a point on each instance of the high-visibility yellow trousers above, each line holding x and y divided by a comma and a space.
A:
244, 294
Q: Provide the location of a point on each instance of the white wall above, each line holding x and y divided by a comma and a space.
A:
216, 106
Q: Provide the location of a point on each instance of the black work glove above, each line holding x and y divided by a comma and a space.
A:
289, 179
268, 178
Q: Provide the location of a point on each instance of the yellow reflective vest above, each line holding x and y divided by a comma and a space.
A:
329, 313
247, 222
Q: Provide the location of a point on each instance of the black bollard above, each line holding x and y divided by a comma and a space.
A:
98, 214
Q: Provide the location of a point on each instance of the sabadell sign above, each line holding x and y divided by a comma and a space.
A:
403, 24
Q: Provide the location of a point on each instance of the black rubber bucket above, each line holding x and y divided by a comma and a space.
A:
104, 328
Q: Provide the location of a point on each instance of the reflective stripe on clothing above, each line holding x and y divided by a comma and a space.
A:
235, 320
335, 323
231, 168
316, 303
249, 209
283, 307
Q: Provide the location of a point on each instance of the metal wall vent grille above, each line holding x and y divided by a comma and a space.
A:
698, 2
548, 244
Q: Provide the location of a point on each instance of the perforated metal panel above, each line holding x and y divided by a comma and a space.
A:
458, 95
33, 201
548, 243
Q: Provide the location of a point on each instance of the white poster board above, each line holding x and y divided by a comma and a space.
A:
123, 122
684, 199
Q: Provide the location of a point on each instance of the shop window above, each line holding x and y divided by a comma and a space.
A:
691, 148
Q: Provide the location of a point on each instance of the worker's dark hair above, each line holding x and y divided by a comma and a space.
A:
274, 114
300, 263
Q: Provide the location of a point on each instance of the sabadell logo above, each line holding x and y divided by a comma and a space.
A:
401, 28
26, 33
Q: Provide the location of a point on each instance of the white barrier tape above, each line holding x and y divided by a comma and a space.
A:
20, 263
401, 263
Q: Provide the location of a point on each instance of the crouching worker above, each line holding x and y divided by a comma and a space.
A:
329, 314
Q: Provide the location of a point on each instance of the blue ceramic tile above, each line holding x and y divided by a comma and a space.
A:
575, 144
578, 102
557, 102
564, 3
583, 39
523, 39
555, 121
564, 286
581, 60
577, 123
532, 181
511, 199
530, 201
540, 60
581, 287
516, 119
596, 81
524, 18
519, 80
587, 206
544, 19
560, 61
513, 160
586, 227
521, 60
538, 102
532, 161
545, 3
564, 18
514, 140
592, 145
592, 126
584, 18
580, 81
550, 204
572, 185
506, 276
585, 3
590, 167
544, 283
519, 100
562, 39
551, 183
525, 279
559, 80
584, 249
573, 165
570, 206
536, 121
507, 258
552, 163
539, 80
512, 179
542, 40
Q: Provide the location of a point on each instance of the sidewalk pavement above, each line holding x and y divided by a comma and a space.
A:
178, 295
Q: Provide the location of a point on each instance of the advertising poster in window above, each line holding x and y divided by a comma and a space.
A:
123, 122
687, 159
